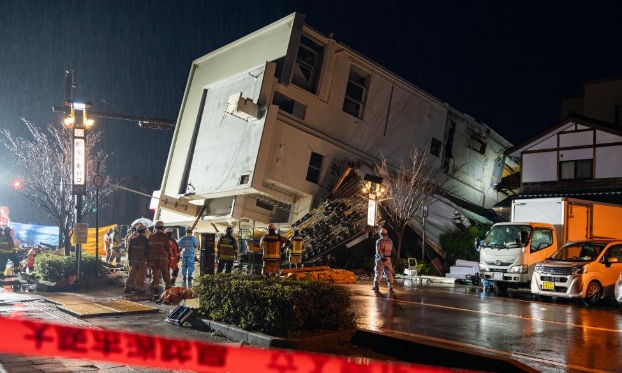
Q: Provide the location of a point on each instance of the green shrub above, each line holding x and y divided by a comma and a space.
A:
459, 244
53, 268
272, 305
399, 265
426, 269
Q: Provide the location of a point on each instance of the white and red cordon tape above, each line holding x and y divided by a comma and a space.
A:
23, 336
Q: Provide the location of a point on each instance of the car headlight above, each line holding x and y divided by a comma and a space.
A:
518, 269
579, 269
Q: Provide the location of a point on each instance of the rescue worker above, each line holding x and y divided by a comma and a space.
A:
30, 263
108, 245
271, 248
188, 244
384, 247
175, 256
115, 245
227, 251
137, 255
6, 247
159, 254
294, 249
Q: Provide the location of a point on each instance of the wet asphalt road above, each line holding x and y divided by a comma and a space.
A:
557, 336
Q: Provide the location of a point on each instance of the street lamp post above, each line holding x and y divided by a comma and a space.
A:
374, 190
78, 122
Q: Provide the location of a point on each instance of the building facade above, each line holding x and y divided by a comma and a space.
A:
269, 123
575, 157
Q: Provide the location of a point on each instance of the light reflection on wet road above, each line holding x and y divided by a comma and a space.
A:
559, 336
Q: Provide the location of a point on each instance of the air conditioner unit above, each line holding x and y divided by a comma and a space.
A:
243, 108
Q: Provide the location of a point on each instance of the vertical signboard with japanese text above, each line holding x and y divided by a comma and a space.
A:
79, 161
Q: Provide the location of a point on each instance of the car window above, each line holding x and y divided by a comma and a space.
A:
615, 253
542, 238
578, 252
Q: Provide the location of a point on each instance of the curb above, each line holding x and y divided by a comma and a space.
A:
261, 340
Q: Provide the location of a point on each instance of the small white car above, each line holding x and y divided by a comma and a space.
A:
587, 269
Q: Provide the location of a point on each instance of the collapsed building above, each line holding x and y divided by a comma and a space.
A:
272, 123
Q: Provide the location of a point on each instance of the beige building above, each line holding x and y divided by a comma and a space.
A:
268, 124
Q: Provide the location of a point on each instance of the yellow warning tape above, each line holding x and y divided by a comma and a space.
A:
42, 339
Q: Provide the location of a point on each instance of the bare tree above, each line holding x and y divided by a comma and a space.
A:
43, 164
410, 186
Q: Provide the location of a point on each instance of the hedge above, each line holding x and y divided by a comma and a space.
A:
274, 306
53, 268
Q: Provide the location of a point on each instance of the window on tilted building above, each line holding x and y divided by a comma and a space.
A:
435, 147
356, 92
308, 64
315, 166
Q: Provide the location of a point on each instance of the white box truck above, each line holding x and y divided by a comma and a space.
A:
510, 251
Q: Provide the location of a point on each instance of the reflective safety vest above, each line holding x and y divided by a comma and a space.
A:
4, 245
296, 245
384, 246
271, 246
115, 240
226, 248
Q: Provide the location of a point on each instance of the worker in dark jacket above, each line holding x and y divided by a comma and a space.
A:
271, 247
227, 251
294, 249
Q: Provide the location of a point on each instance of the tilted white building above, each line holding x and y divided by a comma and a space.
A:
269, 122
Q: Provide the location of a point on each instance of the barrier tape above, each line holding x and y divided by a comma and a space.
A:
31, 337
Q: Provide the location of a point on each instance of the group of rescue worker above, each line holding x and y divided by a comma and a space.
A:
271, 244
160, 253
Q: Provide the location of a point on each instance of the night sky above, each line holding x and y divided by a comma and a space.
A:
508, 64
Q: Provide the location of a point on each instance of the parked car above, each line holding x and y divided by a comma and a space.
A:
618, 290
586, 269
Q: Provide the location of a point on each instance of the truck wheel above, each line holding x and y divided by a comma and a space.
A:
593, 293
500, 287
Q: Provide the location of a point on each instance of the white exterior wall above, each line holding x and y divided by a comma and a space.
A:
275, 149
246, 54
605, 167
571, 142
539, 167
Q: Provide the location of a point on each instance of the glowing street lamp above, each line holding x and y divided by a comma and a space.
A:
77, 122
374, 189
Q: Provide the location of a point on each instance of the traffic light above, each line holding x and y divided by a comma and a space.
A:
17, 184
94, 210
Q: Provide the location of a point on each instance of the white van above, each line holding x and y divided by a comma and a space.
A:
587, 269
